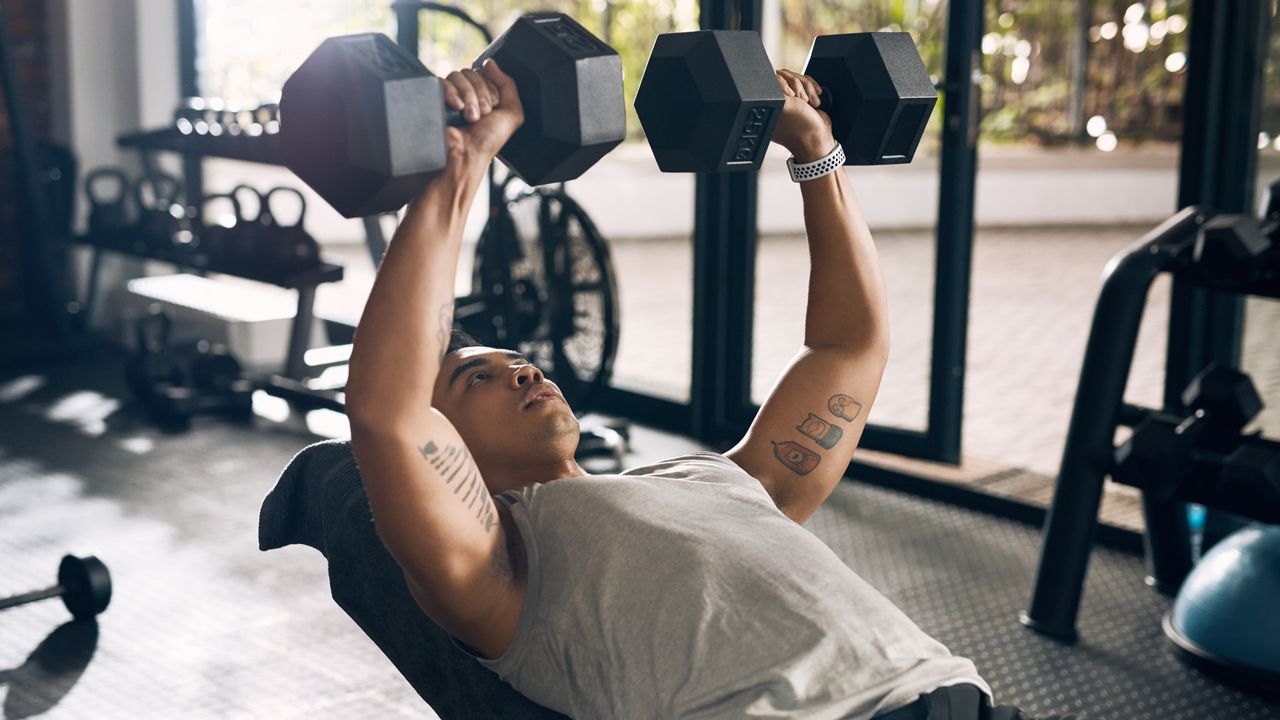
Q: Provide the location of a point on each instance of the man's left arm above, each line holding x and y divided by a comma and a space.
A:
804, 436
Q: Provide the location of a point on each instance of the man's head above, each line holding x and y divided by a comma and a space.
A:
507, 413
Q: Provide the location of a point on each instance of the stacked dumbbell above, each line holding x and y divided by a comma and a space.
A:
709, 100
363, 122
1234, 252
174, 384
1204, 457
211, 117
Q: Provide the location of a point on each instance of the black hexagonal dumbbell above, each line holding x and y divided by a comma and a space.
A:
363, 121
1231, 251
1158, 456
1271, 204
709, 101
1250, 480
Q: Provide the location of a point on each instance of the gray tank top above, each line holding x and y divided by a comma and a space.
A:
679, 590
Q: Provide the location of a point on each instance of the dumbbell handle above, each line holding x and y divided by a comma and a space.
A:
30, 597
826, 103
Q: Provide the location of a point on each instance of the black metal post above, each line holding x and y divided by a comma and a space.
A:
1079, 68
406, 25
189, 86
1086, 459
1222, 106
295, 365
188, 74
724, 252
959, 165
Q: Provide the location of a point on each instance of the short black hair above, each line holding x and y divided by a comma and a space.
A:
459, 339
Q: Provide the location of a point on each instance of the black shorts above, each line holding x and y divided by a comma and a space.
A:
964, 702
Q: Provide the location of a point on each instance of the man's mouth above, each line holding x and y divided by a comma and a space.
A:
540, 396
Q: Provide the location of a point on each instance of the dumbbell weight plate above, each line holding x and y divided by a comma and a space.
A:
883, 94
86, 586
708, 101
570, 86
363, 124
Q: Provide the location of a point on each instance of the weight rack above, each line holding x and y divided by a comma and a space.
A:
1099, 409
291, 383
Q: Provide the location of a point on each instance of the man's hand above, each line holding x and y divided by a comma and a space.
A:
491, 106
803, 129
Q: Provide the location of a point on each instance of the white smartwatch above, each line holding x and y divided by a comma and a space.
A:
816, 169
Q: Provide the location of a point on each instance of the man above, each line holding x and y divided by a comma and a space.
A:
685, 589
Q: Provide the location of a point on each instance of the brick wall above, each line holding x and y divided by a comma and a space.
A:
28, 31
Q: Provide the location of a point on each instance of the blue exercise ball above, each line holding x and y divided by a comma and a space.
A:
1226, 618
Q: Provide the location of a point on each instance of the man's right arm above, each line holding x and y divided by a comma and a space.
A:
430, 505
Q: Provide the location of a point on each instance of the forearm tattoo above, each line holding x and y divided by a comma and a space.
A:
802, 460
459, 471
844, 407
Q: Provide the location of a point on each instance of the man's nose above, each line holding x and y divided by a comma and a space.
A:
526, 374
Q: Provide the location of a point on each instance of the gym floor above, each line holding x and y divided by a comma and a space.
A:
203, 625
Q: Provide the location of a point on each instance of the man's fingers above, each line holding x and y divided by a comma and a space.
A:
471, 105
494, 96
484, 99
813, 89
507, 95
786, 89
798, 86
451, 96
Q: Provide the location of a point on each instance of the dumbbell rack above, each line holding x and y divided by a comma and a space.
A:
1100, 409
263, 149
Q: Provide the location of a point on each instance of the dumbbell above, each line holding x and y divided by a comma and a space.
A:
1270, 213
1235, 250
1231, 250
83, 584
151, 367
1251, 475
363, 121
709, 99
1158, 456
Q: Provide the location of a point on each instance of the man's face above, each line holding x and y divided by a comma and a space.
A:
505, 410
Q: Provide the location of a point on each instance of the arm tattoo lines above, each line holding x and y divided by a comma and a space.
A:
800, 459
454, 464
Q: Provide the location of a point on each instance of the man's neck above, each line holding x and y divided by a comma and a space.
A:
518, 475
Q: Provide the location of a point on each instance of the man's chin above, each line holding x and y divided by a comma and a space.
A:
561, 424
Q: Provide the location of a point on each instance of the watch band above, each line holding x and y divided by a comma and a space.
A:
801, 172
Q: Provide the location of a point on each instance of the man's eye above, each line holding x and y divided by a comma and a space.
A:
478, 376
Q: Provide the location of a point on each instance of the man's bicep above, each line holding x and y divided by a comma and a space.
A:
433, 512
804, 436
